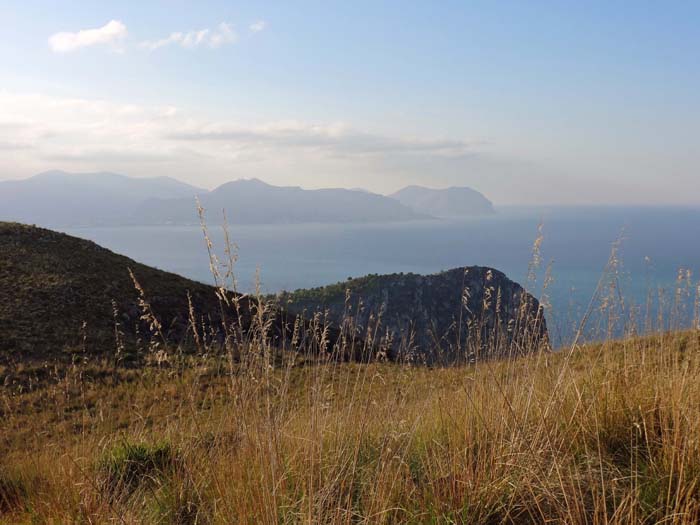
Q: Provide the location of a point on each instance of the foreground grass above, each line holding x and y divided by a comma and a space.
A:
606, 434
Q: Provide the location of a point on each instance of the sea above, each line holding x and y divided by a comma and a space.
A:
630, 267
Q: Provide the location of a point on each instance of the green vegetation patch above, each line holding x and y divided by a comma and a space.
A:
128, 465
15, 490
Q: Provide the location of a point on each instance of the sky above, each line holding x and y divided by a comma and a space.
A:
529, 102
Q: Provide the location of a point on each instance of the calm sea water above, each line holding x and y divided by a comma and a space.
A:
656, 243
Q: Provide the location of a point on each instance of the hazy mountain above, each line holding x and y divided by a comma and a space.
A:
448, 202
253, 201
58, 198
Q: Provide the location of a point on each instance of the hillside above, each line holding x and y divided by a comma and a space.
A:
448, 202
51, 283
459, 314
61, 294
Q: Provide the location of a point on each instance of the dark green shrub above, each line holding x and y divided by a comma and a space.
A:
128, 465
13, 492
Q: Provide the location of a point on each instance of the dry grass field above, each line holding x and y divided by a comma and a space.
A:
607, 433
240, 431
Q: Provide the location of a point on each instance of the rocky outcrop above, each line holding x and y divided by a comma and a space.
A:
464, 314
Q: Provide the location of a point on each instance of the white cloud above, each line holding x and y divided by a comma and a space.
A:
38, 131
56, 125
212, 38
258, 26
111, 33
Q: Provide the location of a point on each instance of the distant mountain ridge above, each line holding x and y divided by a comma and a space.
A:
252, 201
58, 198
448, 202
61, 199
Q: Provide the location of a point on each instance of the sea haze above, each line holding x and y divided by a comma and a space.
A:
656, 243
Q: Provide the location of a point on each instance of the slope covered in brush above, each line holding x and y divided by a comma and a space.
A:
459, 314
56, 294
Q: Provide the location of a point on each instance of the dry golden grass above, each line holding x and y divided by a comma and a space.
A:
608, 433
243, 432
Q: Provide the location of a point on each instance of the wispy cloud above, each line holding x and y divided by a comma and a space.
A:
13, 145
212, 38
70, 128
40, 132
335, 138
112, 33
258, 26
37, 128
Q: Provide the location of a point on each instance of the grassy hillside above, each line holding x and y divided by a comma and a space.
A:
608, 433
57, 293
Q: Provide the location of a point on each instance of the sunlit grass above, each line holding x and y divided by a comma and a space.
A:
609, 434
241, 430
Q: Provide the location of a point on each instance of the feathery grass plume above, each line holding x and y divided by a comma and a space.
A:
660, 319
158, 344
613, 304
193, 325
648, 316
119, 346
536, 258
231, 251
235, 341
683, 293
213, 260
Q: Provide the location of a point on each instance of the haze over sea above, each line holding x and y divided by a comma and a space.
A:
656, 243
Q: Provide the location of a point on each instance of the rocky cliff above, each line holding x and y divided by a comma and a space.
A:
464, 314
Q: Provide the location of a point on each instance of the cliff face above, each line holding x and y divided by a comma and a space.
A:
464, 314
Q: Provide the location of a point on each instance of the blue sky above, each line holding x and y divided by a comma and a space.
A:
529, 102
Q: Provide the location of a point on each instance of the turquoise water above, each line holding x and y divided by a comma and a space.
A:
656, 243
